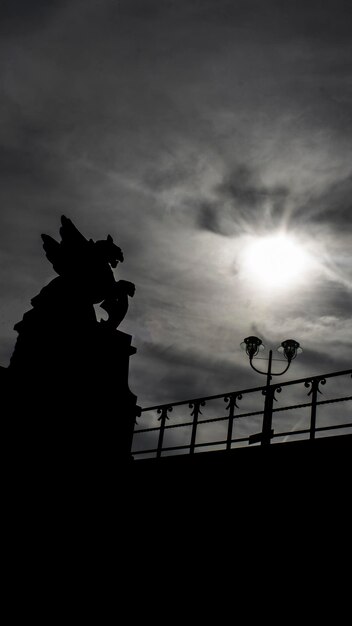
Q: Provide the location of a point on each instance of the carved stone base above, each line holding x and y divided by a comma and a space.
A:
74, 408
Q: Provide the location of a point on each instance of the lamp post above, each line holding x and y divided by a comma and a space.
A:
289, 348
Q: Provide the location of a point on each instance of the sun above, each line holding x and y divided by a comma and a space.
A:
275, 261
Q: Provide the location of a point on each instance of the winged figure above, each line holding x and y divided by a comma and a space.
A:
61, 330
84, 266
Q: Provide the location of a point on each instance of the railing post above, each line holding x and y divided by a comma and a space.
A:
268, 406
315, 382
267, 431
163, 417
231, 399
313, 412
196, 411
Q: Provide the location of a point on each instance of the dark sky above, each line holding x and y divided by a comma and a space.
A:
186, 129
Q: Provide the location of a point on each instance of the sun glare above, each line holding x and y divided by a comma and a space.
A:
275, 261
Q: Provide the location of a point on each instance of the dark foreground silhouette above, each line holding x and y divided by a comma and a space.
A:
69, 413
66, 388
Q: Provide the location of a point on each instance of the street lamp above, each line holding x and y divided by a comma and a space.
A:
289, 348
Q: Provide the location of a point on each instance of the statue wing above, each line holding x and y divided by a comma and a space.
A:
71, 238
71, 252
52, 251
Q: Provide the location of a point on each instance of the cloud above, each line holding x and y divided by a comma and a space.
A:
330, 207
181, 372
241, 202
21, 16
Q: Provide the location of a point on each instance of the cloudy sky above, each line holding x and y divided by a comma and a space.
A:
191, 130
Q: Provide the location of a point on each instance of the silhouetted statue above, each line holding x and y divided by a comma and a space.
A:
86, 265
63, 309
66, 365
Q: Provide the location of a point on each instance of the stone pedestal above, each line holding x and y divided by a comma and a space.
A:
69, 405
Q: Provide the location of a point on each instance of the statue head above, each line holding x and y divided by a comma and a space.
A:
109, 251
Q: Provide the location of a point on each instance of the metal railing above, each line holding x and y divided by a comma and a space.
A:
167, 425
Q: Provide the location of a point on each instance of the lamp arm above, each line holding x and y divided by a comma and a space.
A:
255, 369
271, 373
